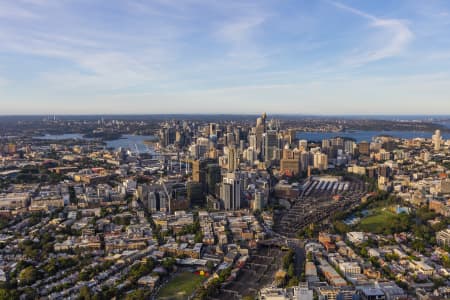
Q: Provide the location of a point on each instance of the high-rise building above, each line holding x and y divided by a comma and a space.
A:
290, 166
213, 128
195, 194
349, 147
251, 155
304, 160
260, 200
233, 159
213, 177
364, 148
167, 136
436, 138
198, 171
270, 143
260, 129
320, 161
252, 141
326, 144
303, 145
230, 191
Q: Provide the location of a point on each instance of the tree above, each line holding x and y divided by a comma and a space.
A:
4, 294
85, 293
28, 275
137, 295
210, 265
341, 227
293, 281
168, 263
291, 271
198, 237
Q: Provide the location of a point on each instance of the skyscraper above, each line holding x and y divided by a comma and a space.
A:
232, 157
230, 191
270, 143
436, 138
320, 161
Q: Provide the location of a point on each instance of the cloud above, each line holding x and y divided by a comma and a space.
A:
392, 40
8, 11
96, 59
239, 36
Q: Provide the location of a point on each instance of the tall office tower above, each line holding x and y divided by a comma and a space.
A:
264, 120
237, 135
320, 161
252, 141
143, 191
212, 153
198, 171
337, 142
194, 151
290, 166
260, 200
233, 159
270, 142
203, 146
287, 153
154, 203
167, 136
195, 193
436, 138
213, 177
364, 148
241, 146
260, 129
349, 147
213, 129
230, 191
326, 144
303, 145
251, 155
290, 136
229, 139
304, 160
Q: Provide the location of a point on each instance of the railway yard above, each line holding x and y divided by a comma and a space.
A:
319, 199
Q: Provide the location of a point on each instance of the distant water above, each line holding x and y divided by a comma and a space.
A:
365, 135
59, 137
127, 141
132, 142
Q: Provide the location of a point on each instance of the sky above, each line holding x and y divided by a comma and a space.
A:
192, 56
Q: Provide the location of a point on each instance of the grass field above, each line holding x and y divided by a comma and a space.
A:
377, 221
180, 287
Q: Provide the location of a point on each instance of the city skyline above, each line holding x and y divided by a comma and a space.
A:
138, 57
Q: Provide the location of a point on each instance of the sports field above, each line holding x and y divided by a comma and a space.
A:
181, 286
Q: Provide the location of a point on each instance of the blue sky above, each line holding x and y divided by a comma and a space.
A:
192, 56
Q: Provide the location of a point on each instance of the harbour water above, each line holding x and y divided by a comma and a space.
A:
132, 142
137, 142
365, 135
127, 141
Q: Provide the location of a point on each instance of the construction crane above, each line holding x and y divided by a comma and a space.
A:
161, 182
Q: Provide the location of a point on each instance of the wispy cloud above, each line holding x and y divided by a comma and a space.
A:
396, 35
9, 11
98, 59
238, 34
